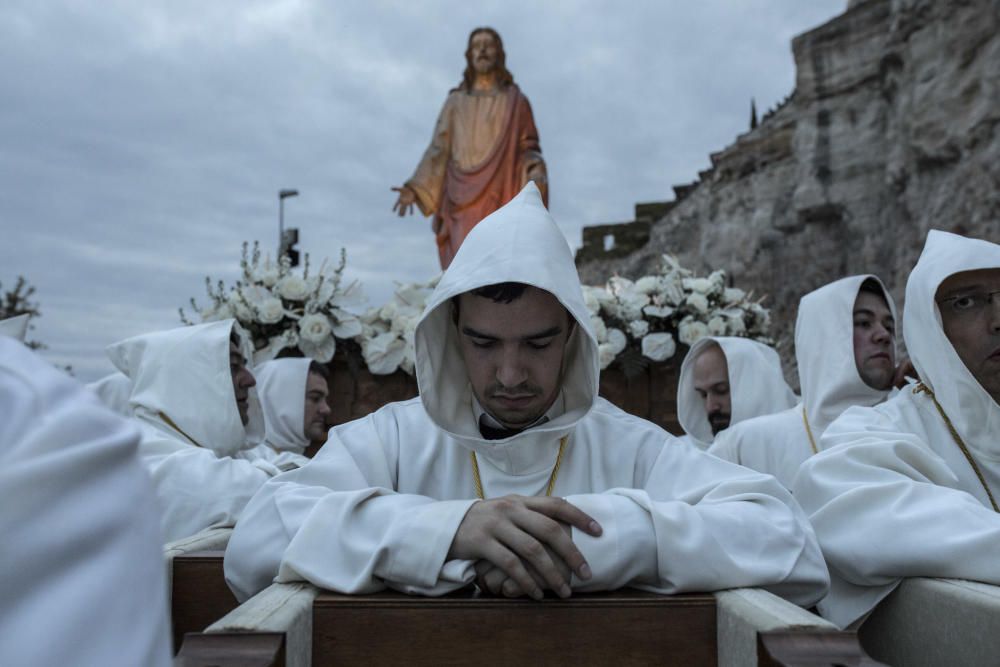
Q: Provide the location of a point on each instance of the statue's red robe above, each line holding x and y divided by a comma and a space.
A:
484, 149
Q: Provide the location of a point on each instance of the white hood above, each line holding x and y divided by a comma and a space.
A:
15, 327
114, 391
518, 243
971, 409
756, 385
184, 374
824, 350
281, 385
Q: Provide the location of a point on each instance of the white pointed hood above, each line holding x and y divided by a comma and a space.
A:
184, 374
824, 350
281, 386
518, 243
15, 327
971, 409
756, 384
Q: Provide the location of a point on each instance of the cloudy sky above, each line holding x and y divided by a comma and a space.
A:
143, 142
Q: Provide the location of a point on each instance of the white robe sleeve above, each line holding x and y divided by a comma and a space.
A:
701, 524
196, 488
270, 460
82, 575
885, 506
383, 538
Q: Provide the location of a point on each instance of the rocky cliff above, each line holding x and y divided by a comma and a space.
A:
892, 130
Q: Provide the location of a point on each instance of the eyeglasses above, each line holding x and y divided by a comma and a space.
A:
974, 304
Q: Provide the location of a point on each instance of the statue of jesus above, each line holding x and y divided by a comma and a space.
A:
484, 149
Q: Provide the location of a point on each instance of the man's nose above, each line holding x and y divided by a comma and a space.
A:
248, 379
324, 409
510, 370
993, 312
881, 334
712, 405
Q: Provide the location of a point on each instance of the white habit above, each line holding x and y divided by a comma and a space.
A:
281, 387
82, 579
182, 397
824, 350
895, 497
381, 502
15, 327
756, 386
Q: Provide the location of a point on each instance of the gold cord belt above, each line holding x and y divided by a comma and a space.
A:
478, 482
812, 441
171, 424
921, 388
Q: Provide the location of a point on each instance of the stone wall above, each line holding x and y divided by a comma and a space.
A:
891, 131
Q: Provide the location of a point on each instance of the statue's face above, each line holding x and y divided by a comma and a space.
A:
484, 52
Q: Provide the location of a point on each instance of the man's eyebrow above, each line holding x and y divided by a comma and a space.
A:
548, 333
962, 289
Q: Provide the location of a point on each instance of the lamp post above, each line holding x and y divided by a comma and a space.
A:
282, 245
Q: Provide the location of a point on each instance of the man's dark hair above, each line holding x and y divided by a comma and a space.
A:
873, 286
504, 77
320, 370
498, 293
234, 338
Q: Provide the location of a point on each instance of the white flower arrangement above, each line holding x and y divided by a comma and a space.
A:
387, 333
651, 315
282, 309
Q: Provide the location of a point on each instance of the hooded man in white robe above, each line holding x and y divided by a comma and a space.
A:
197, 407
82, 579
899, 493
845, 346
504, 348
725, 380
293, 393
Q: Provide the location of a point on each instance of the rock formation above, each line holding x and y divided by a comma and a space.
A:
892, 130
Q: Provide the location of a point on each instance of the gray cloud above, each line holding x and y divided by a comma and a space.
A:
144, 142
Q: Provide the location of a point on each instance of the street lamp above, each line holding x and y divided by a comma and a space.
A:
285, 244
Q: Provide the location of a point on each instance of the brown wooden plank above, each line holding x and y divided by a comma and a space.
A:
811, 649
232, 649
199, 594
620, 628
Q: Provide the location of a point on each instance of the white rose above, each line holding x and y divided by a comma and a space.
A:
718, 279
270, 310
657, 311
717, 326
384, 353
617, 340
315, 328
735, 325
658, 346
293, 288
691, 330
600, 328
698, 302
733, 295
346, 325
267, 275
605, 354
638, 328
699, 285
647, 284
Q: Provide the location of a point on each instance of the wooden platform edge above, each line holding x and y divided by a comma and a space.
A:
812, 648
232, 649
